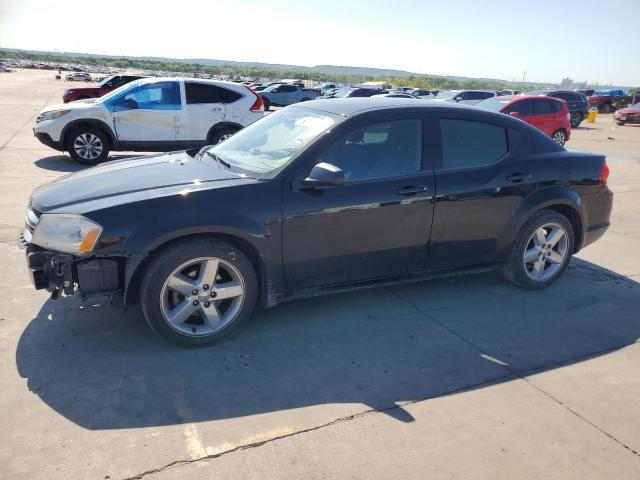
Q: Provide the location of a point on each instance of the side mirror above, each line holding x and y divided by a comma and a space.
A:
514, 114
323, 175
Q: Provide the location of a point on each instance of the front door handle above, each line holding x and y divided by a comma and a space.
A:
412, 190
516, 177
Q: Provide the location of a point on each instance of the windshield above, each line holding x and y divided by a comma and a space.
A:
124, 88
447, 94
602, 93
636, 105
494, 104
266, 146
108, 79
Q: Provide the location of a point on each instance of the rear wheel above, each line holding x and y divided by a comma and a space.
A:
197, 291
88, 145
267, 104
221, 134
576, 119
541, 252
560, 136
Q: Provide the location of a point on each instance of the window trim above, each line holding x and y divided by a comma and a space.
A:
438, 164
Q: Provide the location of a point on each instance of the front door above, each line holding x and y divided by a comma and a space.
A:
148, 113
377, 224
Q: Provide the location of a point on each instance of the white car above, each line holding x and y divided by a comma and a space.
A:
463, 97
79, 77
150, 114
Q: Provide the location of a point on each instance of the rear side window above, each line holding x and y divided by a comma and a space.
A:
556, 106
468, 143
201, 93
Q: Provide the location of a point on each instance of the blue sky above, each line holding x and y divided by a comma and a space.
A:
588, 40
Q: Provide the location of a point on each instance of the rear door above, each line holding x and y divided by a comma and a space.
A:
480, 183
203, 110
148, 113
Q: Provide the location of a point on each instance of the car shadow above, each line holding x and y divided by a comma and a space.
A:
64, 163
378, 347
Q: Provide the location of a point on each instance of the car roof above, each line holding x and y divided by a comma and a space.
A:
348, 107
145, 80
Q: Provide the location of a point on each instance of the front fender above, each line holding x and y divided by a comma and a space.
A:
555, 195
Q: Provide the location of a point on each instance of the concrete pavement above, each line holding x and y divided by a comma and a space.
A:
461, 378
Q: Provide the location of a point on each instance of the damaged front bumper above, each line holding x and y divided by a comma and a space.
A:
63, 273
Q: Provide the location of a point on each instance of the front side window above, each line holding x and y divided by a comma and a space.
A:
148, 96
377, 151
522, 108
468, 143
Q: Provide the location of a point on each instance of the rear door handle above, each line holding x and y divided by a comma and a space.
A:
516, 177
412, 190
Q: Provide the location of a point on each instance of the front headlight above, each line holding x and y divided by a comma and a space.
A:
66, 233
51, 115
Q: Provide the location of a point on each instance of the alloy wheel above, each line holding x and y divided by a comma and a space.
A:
88, 146
576, 118
560, 137
546, 252
202, 296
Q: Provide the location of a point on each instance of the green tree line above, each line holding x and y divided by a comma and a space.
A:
418, 81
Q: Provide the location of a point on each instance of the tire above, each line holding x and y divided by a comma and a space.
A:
560, 136
556, 259
267, 104
576, 119
200, 320
84, 136
221, 134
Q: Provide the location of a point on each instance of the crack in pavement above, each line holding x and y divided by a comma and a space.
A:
524, 375
348, 418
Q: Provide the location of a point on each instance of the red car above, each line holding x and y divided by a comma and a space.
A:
629, 114
551, 115
104, 87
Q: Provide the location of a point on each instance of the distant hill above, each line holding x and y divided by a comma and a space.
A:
330, 69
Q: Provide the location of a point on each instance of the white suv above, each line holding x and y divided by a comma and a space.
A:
150, 114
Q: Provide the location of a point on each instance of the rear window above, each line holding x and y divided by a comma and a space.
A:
468, 143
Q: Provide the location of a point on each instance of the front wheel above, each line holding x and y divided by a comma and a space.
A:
197, 291
88, 145
267, 104
560, 137
541, 251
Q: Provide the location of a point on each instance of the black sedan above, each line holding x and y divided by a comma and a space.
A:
317, 198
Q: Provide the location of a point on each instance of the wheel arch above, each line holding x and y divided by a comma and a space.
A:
136, 266
90, 123
558, 198
220, 125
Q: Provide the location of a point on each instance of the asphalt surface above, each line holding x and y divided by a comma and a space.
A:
463, 378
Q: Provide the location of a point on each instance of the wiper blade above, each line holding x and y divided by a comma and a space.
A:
218, 159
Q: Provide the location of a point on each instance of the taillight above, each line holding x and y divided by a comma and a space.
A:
257, 105
604, 174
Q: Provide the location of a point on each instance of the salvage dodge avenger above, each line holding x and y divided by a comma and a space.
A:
316, 198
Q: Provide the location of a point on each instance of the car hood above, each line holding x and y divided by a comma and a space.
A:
628, 111
68, 106
131, 179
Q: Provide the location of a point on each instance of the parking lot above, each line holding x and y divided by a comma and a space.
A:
468, 377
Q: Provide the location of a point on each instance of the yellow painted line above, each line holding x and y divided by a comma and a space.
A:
260, 437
